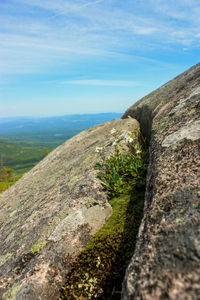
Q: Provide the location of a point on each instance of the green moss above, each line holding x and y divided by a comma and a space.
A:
101, 265
191, 111
37, 247
73, 180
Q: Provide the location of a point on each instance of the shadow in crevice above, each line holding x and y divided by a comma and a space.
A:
134, 213
89, 280
143, 114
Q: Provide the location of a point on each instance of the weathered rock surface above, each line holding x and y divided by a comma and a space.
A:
50, 214
166, 263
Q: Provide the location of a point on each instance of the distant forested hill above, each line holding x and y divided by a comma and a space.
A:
25, 141
72, 122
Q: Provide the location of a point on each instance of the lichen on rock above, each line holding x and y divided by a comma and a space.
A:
38, 246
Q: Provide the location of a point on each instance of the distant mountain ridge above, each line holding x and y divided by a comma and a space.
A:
80, 122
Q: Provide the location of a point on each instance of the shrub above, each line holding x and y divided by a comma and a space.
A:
124, 169
7, 178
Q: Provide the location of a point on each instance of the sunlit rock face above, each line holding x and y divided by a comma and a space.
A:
166, 263
50, 214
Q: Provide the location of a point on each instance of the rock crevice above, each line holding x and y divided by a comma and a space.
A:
166, 263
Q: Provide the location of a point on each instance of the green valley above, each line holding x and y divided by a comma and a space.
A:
25, 141
22, 152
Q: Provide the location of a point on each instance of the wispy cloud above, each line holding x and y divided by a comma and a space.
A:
97, 82
36, 35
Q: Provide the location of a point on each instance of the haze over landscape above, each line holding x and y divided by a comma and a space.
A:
68, 57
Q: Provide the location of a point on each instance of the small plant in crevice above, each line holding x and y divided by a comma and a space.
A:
125, 168
99, 269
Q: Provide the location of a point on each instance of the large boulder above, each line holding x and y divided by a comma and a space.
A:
166, 263
50, 214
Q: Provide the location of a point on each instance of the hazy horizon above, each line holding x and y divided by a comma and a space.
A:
61, 115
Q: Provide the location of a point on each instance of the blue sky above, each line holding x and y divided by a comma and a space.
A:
80, 56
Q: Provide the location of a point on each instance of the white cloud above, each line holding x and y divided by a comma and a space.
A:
37, 34
98, 82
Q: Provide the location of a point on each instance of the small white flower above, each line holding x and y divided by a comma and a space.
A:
129, 139
113, 131
138, 151
98, 149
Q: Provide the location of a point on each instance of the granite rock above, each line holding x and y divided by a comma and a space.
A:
166, 262
50, 214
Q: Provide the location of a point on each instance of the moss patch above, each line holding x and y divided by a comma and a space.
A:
73, 180
37, 247
100, 267
191, 111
